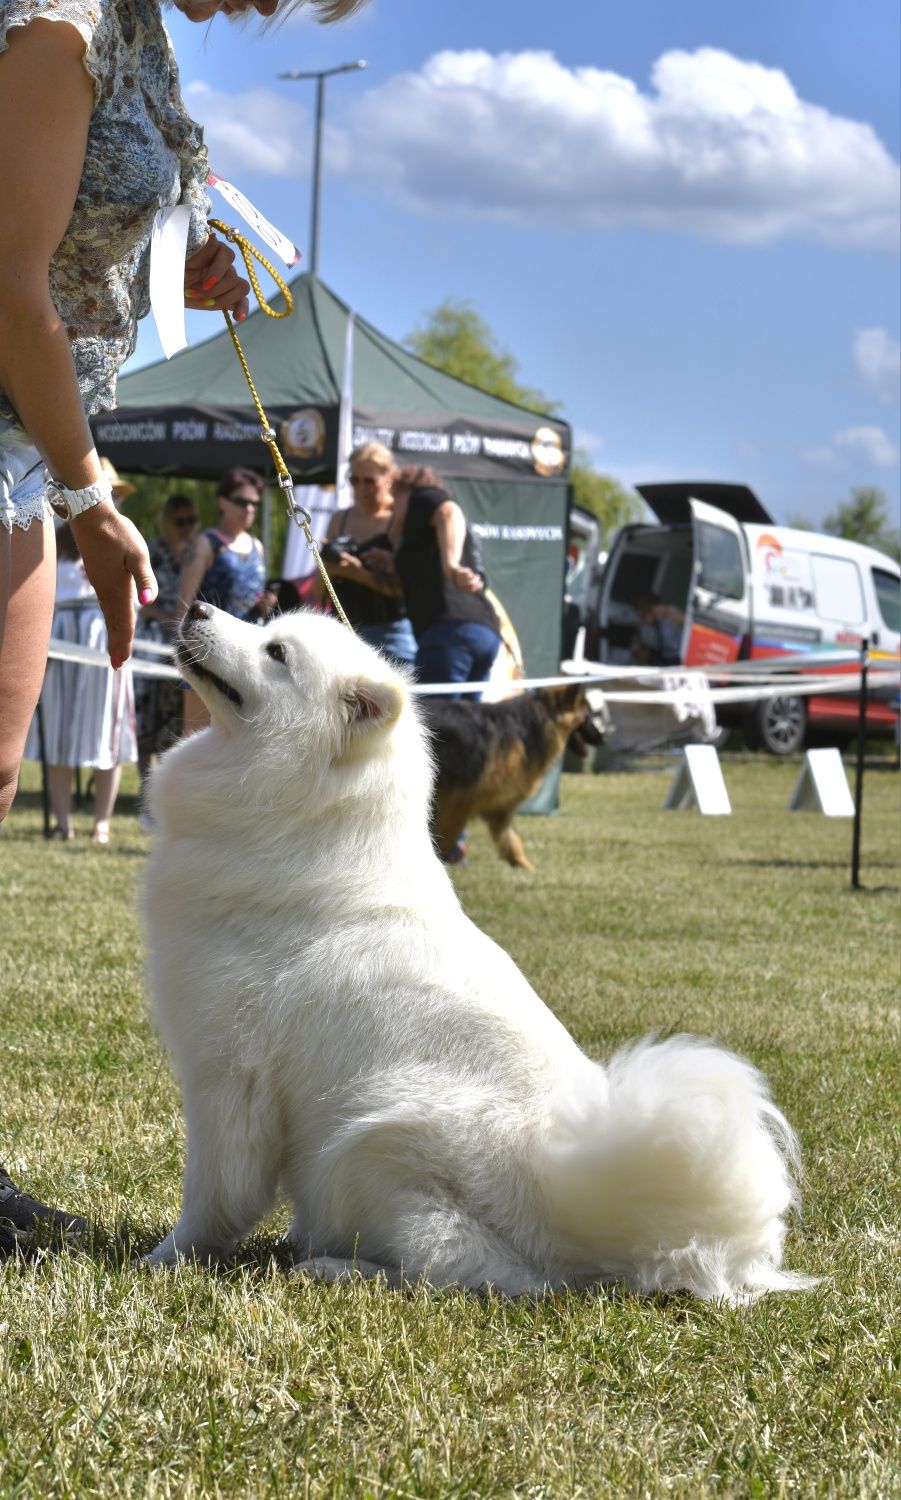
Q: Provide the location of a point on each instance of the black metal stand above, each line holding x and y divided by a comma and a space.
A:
858, 781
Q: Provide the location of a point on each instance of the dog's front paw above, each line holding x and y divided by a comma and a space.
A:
165, 1254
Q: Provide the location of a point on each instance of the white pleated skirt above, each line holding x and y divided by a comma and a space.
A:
88, 712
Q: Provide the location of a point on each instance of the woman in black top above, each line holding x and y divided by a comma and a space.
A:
355, 541
438, 563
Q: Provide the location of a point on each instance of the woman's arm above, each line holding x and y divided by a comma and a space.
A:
46, 101
450, 534
196, 559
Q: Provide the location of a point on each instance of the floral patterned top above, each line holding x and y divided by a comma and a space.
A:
144, 153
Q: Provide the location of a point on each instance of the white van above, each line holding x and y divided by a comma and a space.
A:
731, 585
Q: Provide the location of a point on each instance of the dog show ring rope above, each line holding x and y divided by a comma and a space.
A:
297, 514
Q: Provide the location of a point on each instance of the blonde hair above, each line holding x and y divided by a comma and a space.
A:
373, 453
326, 10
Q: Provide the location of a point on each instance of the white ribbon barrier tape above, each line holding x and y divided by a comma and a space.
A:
766, 683
85, 657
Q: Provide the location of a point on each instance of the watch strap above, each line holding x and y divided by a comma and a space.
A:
76, 502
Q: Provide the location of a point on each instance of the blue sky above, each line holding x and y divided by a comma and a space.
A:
680, 217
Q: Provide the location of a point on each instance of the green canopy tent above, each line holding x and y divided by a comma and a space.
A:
508, 468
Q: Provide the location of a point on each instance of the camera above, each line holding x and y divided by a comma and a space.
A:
330, 552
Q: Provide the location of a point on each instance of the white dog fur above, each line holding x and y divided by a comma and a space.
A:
343, 1034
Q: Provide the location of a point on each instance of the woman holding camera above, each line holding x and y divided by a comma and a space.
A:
356, 554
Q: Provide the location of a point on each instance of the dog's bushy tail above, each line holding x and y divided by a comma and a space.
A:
672, 1169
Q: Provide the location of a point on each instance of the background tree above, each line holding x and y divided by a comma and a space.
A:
865, 518
456, 339
604, 496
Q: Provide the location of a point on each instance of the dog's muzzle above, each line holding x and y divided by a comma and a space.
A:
189, 655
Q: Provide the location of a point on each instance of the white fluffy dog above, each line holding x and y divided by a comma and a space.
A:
344, 1034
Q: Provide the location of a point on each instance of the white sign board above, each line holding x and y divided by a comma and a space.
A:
822, 786
699, 783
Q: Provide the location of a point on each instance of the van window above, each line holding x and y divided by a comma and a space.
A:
720, 558
837, 590
635, 574
888, 597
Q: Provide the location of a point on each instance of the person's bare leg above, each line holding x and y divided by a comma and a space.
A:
196, 713
106, 790
59, 785
27, 587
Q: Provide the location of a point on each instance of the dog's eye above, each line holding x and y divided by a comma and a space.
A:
277, 652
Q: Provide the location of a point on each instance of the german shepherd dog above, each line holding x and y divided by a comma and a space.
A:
489, 757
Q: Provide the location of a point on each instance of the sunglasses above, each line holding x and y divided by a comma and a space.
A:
243, 500
184, 522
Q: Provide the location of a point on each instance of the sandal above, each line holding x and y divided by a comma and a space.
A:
100, 835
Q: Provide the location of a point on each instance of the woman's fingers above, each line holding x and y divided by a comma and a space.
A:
116, 562
212, 283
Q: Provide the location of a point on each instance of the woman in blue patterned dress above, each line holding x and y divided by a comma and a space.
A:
224, 566
95, 142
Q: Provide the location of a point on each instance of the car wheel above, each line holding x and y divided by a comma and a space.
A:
777, 725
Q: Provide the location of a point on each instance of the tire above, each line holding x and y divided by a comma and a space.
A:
777, 725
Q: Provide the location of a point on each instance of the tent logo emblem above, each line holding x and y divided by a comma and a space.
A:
303, 435
547, 452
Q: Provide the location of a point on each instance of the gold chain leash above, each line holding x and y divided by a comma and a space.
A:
297, 514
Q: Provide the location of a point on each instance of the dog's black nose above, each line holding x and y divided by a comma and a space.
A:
198, 611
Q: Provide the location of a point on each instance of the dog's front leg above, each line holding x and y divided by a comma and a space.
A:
231, 1172
507, 841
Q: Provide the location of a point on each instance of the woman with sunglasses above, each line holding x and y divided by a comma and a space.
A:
224, 566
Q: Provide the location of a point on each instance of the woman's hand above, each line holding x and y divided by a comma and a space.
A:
212, 283
381, 560
116, 561
465, 579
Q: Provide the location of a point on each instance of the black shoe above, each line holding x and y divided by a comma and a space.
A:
27, 1225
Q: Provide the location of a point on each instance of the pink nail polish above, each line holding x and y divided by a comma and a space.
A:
145, 596
116, 662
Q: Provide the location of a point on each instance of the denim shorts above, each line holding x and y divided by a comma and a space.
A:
23, 479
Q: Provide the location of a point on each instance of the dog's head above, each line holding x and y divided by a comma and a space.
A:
578, 713
302, 677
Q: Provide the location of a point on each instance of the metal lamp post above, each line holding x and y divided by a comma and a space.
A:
320, 77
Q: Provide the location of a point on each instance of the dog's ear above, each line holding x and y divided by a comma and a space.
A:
372, 704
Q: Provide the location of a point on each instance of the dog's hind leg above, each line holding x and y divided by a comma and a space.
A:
507, 841
231, 1173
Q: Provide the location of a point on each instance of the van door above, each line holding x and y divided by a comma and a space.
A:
718, 616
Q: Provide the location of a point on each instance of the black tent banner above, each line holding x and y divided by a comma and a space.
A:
192, 416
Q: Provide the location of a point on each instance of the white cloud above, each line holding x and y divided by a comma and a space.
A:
717, 147
259, 131
853, 446
877, 357
869, 443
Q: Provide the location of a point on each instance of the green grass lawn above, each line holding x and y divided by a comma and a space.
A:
243, 1382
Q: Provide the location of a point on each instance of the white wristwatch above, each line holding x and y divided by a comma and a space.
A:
74, 502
